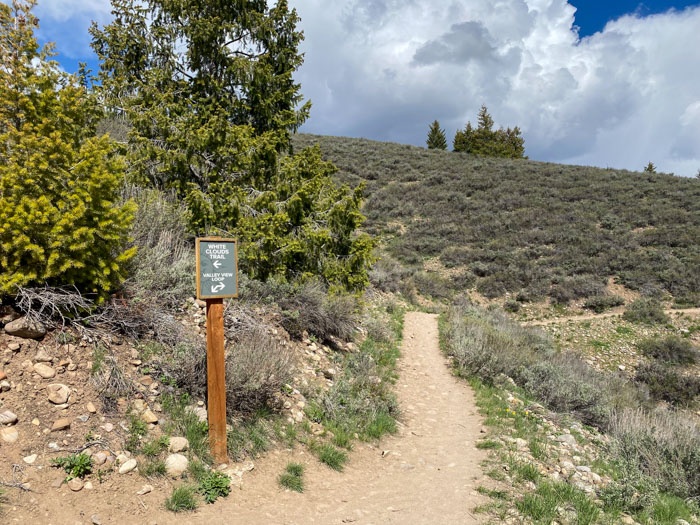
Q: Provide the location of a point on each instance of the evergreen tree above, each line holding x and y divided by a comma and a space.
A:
60, 223
436, 137
650, 168
485, 141
207, 88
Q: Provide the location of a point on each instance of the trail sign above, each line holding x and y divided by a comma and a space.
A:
217, 279
217, 268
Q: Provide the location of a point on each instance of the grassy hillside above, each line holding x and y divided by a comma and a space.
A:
523, 227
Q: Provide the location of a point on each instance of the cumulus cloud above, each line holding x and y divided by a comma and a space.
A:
385, 69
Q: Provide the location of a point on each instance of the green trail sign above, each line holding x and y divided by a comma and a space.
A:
217, 268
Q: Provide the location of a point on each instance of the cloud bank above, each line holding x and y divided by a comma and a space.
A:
385, 69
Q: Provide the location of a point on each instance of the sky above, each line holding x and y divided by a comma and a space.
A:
603, 83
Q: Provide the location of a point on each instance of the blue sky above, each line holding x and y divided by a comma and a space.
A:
604, 83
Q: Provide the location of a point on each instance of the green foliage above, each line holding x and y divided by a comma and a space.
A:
137, 430
331, 456
291, 478
59, 220
436, 137
184, 422
75, 465
153, 468
182, 499
645, 310
215, 485
511, 306
229, 159
671, 349
650, 168
669, 384
541, 505
483, 140
155, 447
600, 303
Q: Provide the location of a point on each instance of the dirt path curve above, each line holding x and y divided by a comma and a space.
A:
428, 476
588, 317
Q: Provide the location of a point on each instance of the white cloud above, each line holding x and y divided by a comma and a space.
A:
386, 68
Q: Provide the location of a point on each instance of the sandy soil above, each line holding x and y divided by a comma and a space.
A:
425, 474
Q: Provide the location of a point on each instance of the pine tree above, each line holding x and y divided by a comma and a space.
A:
650, 168
207, 88
436, 137
483, 140
59, 219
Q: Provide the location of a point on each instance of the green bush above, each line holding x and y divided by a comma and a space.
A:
75, 465
215, 485
59, 219
671, 349
668, 384
511, 306
646, 311
600, 303
182, 499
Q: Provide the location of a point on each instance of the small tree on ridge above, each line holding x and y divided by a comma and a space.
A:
436, 137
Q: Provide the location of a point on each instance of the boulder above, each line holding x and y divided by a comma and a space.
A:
176, 465
58, 393
25, 328
128, 466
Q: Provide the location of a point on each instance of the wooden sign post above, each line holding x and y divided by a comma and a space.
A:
217, 279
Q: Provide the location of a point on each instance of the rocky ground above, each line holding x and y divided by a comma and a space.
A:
50, 407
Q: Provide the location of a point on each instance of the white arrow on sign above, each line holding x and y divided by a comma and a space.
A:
218, 287
217, 264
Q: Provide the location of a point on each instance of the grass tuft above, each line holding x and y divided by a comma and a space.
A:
183, 498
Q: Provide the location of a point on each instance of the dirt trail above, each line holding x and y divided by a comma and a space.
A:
425, 474
617, 313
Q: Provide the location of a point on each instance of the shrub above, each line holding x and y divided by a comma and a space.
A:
600, 303
291, 478
310, 308
668, 384
662, 445
432, 285
75, 465
256, 369
645, 310
511, 306
59, 219
331, 456
387, 274
671, 349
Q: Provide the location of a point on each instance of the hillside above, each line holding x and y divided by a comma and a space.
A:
524, 227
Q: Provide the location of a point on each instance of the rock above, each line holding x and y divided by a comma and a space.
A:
44, 371
5, 386
58, 393
145, 490
146, 380
83, 419
99, 458
520, 443
176, 465
621, 368
75, 484
139, 405
61, 424
15, 347
29, 460
88, 485
91, 407
582, 468
149, 417
178, 444
7, 418
201, 413
9, 434
25, 328
42, 356
3, 375
567, 438
330, 373
108, 427
7, 315
128, 466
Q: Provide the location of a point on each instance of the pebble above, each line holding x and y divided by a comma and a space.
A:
9, 434
149, 417
29, 460
128, 466
145, 490
108, 427
42, 356
95, 519
91, 407
88, 485
99, 458
5, 386
75, 485
7, 418
567, 438
14, 347
61, 424
44, 371
3, 375
58, 393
